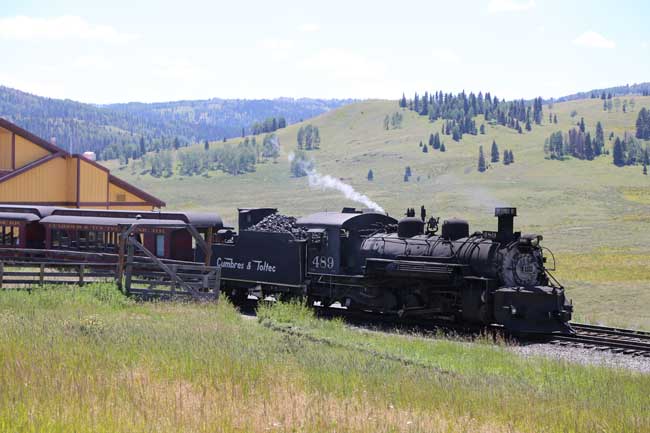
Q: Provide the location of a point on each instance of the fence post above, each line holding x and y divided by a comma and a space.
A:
41, 275
2, 273
129, 265
82, 268
173, 277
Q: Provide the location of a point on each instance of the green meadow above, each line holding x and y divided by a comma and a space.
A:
595, 217
90, 360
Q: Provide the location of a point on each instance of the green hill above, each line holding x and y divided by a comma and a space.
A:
594, 216
80, 127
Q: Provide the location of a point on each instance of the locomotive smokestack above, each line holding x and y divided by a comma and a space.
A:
506, 216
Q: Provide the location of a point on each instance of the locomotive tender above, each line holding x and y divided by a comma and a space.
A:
369, 261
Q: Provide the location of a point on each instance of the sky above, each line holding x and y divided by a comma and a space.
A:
158, 50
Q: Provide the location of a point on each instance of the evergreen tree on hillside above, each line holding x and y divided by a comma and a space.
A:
431, 140
589, 150
481, 160
482, 129
495, 152
371, 175
402, 102
300, 138
206, 145
618, 154
387, 122
442, 147
599, 139
143, 147
581, 124
436, 141
425, 148
555, 118
177, 143
643, 124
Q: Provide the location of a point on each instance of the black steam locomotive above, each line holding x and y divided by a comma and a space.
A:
369, 261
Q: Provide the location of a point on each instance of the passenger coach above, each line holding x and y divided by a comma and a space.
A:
165, 234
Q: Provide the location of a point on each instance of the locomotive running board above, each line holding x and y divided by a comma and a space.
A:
413, 269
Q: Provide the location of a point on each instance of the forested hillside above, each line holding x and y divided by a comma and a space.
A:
118, 129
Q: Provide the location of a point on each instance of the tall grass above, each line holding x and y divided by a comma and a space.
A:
90, 360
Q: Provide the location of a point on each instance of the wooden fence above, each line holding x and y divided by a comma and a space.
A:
138, 275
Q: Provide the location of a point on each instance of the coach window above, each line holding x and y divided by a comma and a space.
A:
60, 239
160, 245
10, 236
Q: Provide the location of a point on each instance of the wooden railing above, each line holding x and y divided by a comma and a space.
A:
139, 275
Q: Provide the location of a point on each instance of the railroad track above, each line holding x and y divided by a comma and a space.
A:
617, 340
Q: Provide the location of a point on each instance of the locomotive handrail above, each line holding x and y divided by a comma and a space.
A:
553, 256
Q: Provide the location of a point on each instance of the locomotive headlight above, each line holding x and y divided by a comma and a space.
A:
534, 242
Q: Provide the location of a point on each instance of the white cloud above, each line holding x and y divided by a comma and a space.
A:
278, 49
57, 28
593, 40
341, 63
92, 62
444, 55
510, 5
309, 27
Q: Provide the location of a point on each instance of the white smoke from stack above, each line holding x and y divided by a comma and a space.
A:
325, 181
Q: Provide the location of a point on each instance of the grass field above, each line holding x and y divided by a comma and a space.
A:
89, 360
593, 215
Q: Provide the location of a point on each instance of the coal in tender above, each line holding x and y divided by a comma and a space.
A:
278, 223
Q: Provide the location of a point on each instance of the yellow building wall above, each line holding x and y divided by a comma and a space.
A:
71, 181
5, 149
117, 194
27, 152
94, 183
143, 208
46, 183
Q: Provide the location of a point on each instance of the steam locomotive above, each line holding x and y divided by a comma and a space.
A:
369, 261
362, 260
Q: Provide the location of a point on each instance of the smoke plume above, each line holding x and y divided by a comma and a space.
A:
325, 181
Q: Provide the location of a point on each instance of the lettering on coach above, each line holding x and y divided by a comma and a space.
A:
253, 265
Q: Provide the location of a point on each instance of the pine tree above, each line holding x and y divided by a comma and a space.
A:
582, 124
301, 137
402, 102
482, 129
495, 152
555, 118
511, 157
442, 147
143, 148
206, 145
645, 169
425, 148
618, 154
431, 140
589, 150
243, 132
481, 160
371, 175
386, 122
177, 143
